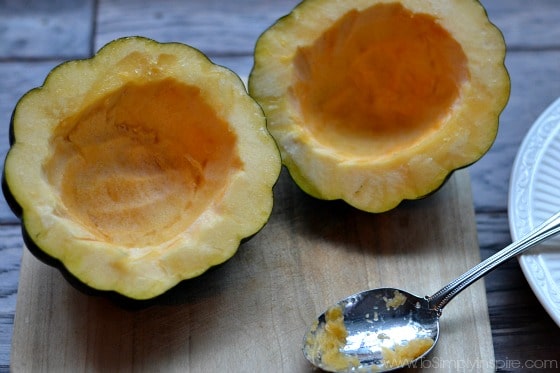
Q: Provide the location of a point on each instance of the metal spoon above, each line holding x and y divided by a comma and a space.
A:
376, 321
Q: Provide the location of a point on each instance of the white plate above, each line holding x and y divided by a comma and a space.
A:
534, 195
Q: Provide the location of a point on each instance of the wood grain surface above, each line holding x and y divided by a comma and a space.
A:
250, 314
36, 35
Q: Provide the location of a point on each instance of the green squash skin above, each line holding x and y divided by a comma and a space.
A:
12, 203
118, 299
171, 296
16, 208
10, 200
177, 294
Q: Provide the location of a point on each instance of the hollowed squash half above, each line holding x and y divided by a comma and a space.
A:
140, 167
374, 101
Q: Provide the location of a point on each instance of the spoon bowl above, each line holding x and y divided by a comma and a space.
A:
384, 329
376, 321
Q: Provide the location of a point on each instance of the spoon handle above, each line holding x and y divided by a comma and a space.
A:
544, 231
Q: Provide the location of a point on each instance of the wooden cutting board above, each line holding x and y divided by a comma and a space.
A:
250, 314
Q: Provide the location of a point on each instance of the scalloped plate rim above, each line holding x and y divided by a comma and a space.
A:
521, 218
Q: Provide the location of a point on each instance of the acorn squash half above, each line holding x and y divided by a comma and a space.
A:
376, 101
140, 167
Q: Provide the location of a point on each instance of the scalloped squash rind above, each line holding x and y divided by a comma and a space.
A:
375, 102
140, 167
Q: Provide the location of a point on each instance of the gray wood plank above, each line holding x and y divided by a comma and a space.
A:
37, 29
522, 331
526, 24
216, 27
535, 79
45, 29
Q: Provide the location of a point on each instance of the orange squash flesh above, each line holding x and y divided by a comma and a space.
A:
142, 160
374, 87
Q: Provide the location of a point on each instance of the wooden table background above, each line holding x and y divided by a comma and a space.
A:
37, 35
